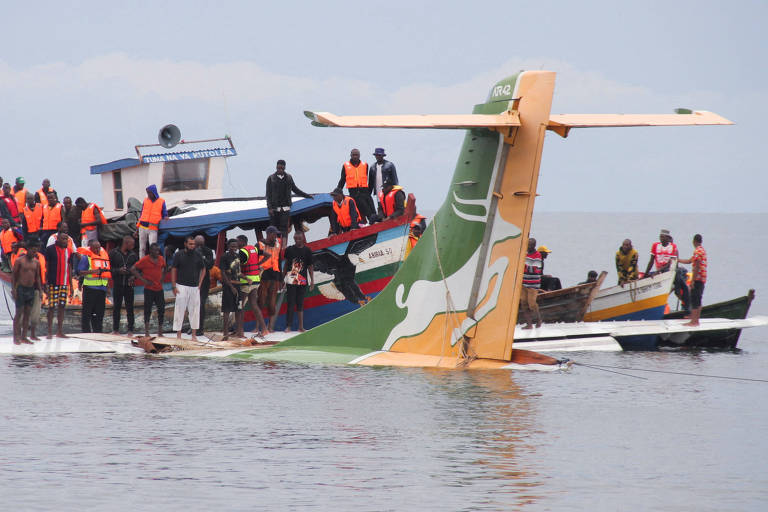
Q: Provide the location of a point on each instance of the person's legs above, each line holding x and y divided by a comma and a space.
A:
118, 292
50, 318
300, 291
253, 300
290, 300
128, 296
98, 310
225, 325
180, 308
193, 306
60, 311
148, 300
34, 315
696, 296
203, 300
160, 305
87, 310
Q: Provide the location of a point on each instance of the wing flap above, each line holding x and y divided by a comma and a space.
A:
562, 123
437, 121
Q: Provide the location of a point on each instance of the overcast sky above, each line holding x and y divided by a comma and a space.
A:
82, 85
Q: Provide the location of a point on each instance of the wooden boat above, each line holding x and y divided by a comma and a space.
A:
734, 309
568, 304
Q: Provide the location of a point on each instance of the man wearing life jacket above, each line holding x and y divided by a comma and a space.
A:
9, 202
8, 236
354, 174
345, 215
413, 238
52, 216
152, 212
271, 278
252, 258
391, 201
20, 192
41, 196
90, 219
95, 269
58, 261
33, 217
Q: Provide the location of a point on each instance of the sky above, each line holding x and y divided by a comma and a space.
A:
81, 83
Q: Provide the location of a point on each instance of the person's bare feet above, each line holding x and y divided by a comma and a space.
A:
50, 336
691, 324
529, 326
34, 338
25, 340
301, 329
287, 329
224, 338
178, 335
61, 335
16, 341
538, 324
129, 334
115, 333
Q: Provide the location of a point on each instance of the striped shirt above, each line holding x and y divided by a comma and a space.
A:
532, 271
699, 262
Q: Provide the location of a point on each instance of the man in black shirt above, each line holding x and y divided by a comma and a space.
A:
296, 266
187, 275
121, 260
207, 255
231, 301
279, 200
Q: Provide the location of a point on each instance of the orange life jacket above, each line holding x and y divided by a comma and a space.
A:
34, 217
343, 211
95, 262
13, 208
274, 259
410, 244
43, 196
21, 196
357, 176
51, 217
88, 216
7, 237
151, 213
417, 220
388, 201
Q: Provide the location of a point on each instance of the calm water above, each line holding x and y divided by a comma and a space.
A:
126, 432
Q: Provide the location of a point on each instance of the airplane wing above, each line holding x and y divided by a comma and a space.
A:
562, 123
445, 121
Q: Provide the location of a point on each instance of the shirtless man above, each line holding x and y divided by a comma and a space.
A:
25, 281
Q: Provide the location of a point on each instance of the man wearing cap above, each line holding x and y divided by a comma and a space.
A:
662, 253
391, 201
354, 174
529, 306
548, 283
381, 171
345, 215
280, 185
20, 192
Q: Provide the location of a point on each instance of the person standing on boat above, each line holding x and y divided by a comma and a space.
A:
72, 214
626, 262
280, 186
25, 284
345, 215
41, 196
58, 262
8, 236
153, 210
699, 263
9, 201
52, 216
151, 270
531, 285
90, 220
187, 276
391, 201
662, 253
61, 228
354, 174
299, 273
122, 259
271, 279
20, 192
231, 298
207, 254
94, 267
251, 259
381, 171
33, 217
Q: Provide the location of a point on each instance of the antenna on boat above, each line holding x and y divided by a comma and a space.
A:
169, 135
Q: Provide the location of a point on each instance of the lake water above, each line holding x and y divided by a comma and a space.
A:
157, 433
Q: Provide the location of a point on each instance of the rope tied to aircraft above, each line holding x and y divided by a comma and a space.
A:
604, 367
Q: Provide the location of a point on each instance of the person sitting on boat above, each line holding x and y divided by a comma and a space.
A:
33, 217
91, 217
354, 174
41, 196
699, 263
626, 262
591, 277
345, 215
58, 262
548, 283
380, 171
414, 235
662, 253
531, 285
8, 236
391, 201
231, 296
280, 185
271, 278
94, 266
25, 283
153, 210
151, 270
9, 201
251, 259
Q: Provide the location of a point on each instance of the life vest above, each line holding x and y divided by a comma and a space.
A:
252, 269
34, 217
151, 213
343, 211
51, 217
357, 176
417, 220
410, 244
88, 216
13, 208
21, 196
44, 196
96, 262
274, 259
7, 238
388, 201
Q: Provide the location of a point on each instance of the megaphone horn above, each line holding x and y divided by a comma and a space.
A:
169, 135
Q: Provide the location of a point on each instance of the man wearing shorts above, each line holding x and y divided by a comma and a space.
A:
699, 263
231, 301
58, 263
25, 282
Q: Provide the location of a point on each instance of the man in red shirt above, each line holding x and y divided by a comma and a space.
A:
151, 270
662, 253
699, 263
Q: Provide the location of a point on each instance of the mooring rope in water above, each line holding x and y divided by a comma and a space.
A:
610, 371
689, 374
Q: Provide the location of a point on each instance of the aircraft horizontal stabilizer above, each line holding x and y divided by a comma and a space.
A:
439, 121
562, 123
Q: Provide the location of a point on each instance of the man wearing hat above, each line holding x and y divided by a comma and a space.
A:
548, 283
345, 215
662, 253
380, 172
20, 192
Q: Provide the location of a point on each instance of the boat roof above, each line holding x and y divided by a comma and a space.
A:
212, 217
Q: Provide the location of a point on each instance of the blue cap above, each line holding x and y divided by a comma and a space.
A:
379, 151
273, 229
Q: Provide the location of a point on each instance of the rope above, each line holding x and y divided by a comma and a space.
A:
611, 371
600, 366
7, 306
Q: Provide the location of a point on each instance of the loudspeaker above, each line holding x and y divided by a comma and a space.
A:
169, 136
